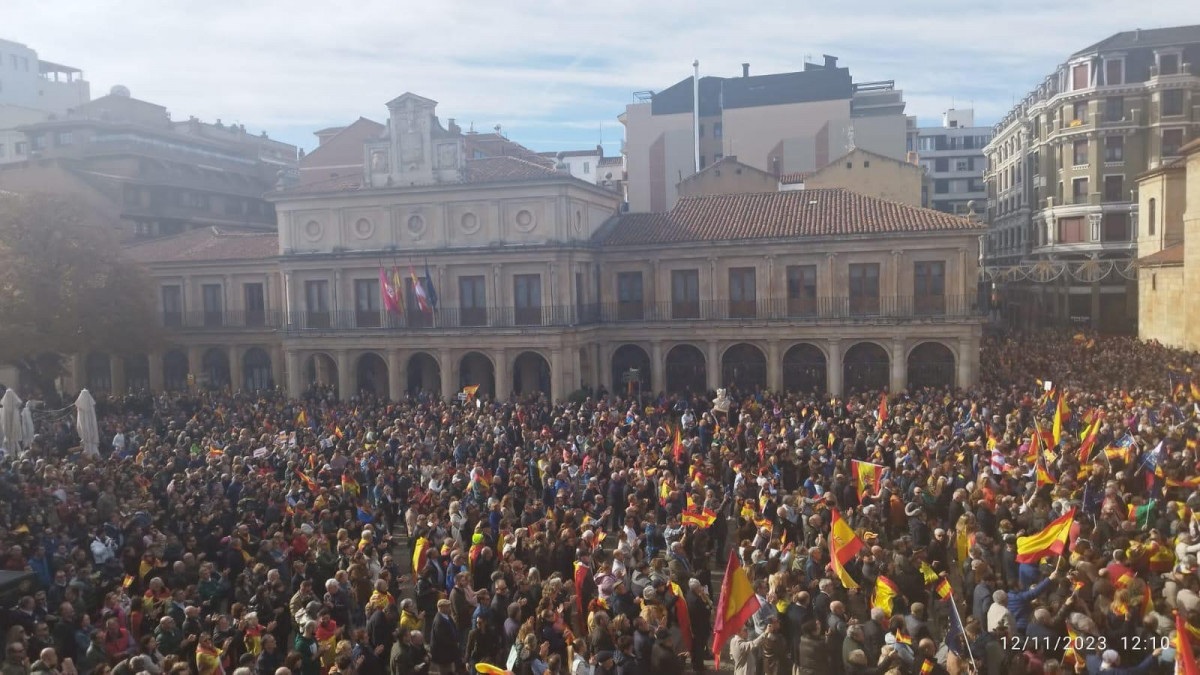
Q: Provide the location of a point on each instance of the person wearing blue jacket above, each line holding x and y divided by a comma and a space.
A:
1020, 603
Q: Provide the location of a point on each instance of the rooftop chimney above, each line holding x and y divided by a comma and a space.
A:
745, 70
1137, 34
830, 61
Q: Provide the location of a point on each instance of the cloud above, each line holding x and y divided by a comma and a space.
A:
546, 68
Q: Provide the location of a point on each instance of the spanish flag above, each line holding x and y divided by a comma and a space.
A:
882, 410
1089, 444
1191, 483
843, 546
582, 572
942, 589
308, 482
1043, 476
302, 418
337, 431
677, 447
886, 592
681, 615
1061, 413
420, 553
694, 519
1050, 541
1185, 661
867, 477
349, 485
736, 605
470, 391
489, 669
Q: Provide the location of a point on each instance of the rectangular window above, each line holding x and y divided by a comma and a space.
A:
527, 299
941, 186
1114, 188
962, 165
802, 290
1113, 71
172, 305
256, 304
1172, 102
581, 312
685, 294
1079, 111
1114, 109
1079, 191
743, 294
941, 164
1079, 77
629, 296
1116, 227
472, 301
1168, 64
929, 287
39, 142
1114, 148
316, 303
927, 143
587, 167
864, 288
1172, 140
1070, 230
1080, 153
718, 131
64, 138
366, 303
211, 295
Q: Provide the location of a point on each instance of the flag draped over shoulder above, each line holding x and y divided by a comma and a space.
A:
420, 554
885, 594
867, 477
736, 605
843, 546
1050, 541
681, 615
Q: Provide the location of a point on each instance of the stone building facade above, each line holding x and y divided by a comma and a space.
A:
542, 284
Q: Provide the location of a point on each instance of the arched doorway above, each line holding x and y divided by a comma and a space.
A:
531, 374
625, 358
477, 369
744, 367
256, 370
98, 370
371, 375
686, 369
214, 367
320, 370
137, 373
865, 367
930, 364
175, 370
424, 374
804, 369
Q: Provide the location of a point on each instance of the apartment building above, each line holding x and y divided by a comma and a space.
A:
1062, 165
953, 159
32, 90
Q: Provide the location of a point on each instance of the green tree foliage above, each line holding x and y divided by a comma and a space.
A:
64, 289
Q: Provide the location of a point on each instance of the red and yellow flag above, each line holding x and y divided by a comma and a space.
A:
736, 605
1061, 413
308, 482
942, 589
1185, 661
1050, 541
420, 553
302, 418
867, 477
698, 519
1089, 444
681, 615
677, 447
882, 410
843, 546
886, 592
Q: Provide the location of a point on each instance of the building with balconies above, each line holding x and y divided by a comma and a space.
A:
521, 278
953, 159
32, 90
1062, 204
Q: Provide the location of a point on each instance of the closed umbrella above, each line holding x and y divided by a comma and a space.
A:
85, 422
10, 421
27, 423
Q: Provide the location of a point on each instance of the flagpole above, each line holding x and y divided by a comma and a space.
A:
963, 630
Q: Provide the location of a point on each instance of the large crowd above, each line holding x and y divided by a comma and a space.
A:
259, 535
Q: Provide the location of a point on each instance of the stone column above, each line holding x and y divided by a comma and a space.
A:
558, 380
658, 367
236, 379
833, 368
503, 382
899, 381
344, 379
288, 299
294, 385
116, 367
195, 362
447, 372
968, 357
155, 363
278, 372
713, 365
774, 367
603, 367
395, 382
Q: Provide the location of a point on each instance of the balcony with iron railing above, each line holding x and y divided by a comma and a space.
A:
223, 320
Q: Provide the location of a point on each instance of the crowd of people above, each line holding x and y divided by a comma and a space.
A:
260, 535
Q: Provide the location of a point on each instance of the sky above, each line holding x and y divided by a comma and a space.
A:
554, 75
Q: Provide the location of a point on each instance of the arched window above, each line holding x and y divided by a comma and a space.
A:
1150, 216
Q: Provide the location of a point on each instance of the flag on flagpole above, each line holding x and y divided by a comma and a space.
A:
398, 289
1052, 540
867, 477
1061, 412
681, 615
308, 482
885, 594
942, 589
430, 292
1089, 444
388, 291
419, 291
420, 553
843, 546
1185, 662
736, 605
677, 447
882, 414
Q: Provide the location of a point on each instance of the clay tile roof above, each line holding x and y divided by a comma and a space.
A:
609, 161
1171, 255
776, 215
503, 168
206, 244
794, 177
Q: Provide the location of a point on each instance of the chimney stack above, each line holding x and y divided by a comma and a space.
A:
745, 70
830, 61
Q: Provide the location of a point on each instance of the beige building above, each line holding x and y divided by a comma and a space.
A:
543, 285
778, 123
871, 174
1062, 167
1169, 269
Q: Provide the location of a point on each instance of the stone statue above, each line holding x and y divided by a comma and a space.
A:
722, 402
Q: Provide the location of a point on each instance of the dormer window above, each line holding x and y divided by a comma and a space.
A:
1168, 63
1079, 76
1114, 71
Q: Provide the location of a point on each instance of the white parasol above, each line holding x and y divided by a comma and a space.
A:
85, 420
11, 429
